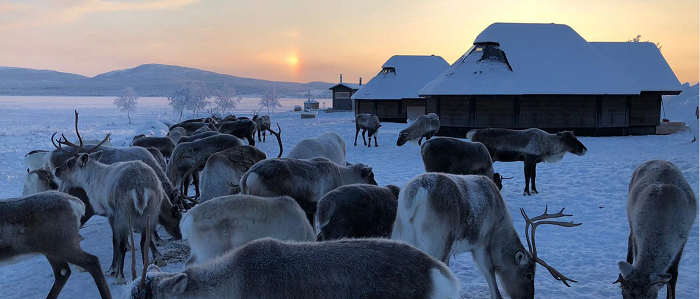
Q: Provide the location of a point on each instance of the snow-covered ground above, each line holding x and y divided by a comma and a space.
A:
593, 188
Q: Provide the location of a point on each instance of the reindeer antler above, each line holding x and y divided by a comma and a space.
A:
79, 147
279, 140
535, 222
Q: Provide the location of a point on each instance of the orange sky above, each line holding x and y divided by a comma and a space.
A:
310, 40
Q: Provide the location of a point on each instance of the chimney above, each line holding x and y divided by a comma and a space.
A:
360, 81
341, 78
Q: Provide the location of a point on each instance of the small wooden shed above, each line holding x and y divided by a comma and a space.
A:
547, 76
342, 92
394, 91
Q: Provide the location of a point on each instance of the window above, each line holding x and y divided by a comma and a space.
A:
486, 51
342, 95
388, 70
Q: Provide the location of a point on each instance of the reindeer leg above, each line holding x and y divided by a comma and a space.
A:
630, 248
264, 135
420, 140
195, 181
157, 256
259, 135
112, 271
533, 176
357, 130
485, 264
251, 140
673, 270
156, 238
527, 170
363, 136
122, 234
91, 263
375, 140
61, 272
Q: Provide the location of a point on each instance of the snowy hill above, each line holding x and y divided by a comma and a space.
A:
146, 79
682, 107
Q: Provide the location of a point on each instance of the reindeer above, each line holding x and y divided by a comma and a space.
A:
262, 124
451, 155
47, 223
424, 126
241, 128
367, 123
169, 215
176, 133
197, 136
192, 125
304, 180
202, 130
531, 146
444, 214
129, 193
357, 211
661, 210
225, 167
327, 145
164, 144
228, 222
353, 268
38, 180
158, 156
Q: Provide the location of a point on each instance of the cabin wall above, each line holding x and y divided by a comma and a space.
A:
596, 115
342, 104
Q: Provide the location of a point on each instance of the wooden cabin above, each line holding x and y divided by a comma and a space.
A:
342, 92
393, 93
547, 76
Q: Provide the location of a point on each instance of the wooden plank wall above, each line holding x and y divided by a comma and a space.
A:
558, 112
410, 103
387, 108
494, 112
363, 106
454, 111
645, 110
612, 112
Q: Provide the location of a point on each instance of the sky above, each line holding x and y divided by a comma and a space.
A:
311, 40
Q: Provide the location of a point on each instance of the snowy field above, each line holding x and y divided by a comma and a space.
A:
593, 188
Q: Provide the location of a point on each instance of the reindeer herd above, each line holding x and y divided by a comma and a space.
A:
313, 225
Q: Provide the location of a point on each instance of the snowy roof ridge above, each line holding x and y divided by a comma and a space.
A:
545, 59
411, 72
354, 86
644, 62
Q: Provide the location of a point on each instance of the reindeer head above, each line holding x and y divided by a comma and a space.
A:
74, 167
637, 285
157, 285
518, 274
571, 143
362, 174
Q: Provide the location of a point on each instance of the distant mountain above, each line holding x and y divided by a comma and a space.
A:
146, 79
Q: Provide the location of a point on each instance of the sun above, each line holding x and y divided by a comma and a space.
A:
293, 60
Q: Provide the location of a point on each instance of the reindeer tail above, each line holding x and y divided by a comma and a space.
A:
140, 200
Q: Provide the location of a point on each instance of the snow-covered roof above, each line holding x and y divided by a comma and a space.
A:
409, 74
644, 62
544, 58
348, 85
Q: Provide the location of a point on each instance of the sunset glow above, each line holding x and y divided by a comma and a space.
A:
264, 39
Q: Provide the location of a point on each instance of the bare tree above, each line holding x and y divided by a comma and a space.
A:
225, 98
270, 101
192, 96
127, 102
638, 38
178, 101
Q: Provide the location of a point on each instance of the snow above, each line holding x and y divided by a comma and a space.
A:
412, 73
545, 58
354, 86
644, 62
682, 108
593, 188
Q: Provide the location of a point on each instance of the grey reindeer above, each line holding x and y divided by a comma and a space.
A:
47, 223
357, 211
128, 193
327, 145
38, 180
353, 268
425, 126
367, 123
661, 209
304, 180
228, 222
164, 144
445, 214
531, 146
451, 155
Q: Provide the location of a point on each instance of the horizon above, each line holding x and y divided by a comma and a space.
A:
309, 42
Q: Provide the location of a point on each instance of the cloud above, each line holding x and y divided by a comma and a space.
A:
45, 12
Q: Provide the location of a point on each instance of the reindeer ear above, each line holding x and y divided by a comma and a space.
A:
379, 126
96, 156
366, 171
521, 258
560, 134
660, 277
83, 159
176, 284
625, 269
